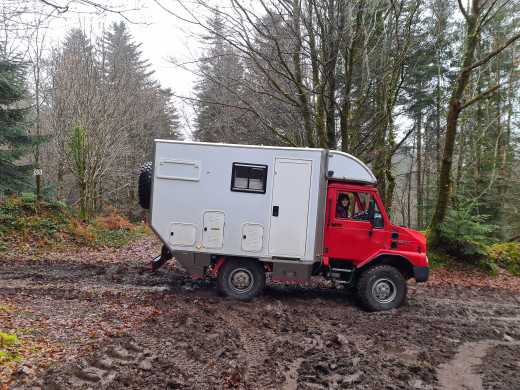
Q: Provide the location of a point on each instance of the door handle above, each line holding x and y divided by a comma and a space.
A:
330, 211
336, 224
275, 211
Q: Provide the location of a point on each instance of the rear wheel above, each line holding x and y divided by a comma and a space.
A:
382, 287
241, 279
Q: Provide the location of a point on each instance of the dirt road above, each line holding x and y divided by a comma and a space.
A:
107, 322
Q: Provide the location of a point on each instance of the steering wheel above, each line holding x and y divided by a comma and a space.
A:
359, 216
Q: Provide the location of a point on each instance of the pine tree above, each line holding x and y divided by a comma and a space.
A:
218, 90
123, 57
142, 111
15, 140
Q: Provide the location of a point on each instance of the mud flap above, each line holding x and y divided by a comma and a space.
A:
421, 273
161, 259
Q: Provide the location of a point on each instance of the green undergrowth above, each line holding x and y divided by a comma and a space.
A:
506, 255
9, 344
489, 258
467, 239
438, 259
31, 225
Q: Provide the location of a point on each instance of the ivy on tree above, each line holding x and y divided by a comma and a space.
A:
15, 140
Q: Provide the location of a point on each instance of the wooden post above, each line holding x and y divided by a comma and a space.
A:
38, 174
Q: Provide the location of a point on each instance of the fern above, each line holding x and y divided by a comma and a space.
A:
465, 234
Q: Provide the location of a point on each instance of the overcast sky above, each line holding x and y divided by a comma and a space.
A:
160, 34
162, 37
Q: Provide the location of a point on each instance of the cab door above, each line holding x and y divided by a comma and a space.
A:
352, 238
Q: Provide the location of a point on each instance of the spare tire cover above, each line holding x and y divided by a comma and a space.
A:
145, 185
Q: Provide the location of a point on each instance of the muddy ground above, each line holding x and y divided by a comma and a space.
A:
114, 325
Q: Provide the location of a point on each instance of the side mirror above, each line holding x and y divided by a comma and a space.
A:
371, 211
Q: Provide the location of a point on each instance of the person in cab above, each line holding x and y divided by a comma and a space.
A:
342, 206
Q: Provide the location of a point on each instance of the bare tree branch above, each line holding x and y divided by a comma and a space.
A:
479, 97
463, 10
489, 56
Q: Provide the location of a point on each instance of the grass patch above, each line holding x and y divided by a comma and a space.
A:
439, 259
507, 255
9, 345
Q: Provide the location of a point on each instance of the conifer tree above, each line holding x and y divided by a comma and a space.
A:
140, 110
218, 91
15, 140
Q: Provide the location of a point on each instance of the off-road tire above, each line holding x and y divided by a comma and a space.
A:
145, 185
381, 287
242, 279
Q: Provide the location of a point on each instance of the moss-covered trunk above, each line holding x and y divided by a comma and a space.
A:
454, 109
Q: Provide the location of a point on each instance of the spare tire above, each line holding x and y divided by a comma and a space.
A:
145, 185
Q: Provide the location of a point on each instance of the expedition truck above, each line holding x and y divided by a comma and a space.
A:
238, 212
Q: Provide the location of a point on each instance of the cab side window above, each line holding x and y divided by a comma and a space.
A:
379, 222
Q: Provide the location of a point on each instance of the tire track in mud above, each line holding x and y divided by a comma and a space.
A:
459, 373
291, 375
108, 365
467, 311
473, 304
105, 366
253, 342
191, 370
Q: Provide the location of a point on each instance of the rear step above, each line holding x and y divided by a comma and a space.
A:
161, 259
341, 275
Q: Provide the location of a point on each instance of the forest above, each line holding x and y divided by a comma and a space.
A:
423, 91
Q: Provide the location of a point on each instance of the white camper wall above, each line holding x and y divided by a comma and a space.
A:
192, 190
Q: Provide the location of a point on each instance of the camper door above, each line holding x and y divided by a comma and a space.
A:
290, 204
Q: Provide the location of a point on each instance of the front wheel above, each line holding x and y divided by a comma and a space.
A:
382, 287
241, 279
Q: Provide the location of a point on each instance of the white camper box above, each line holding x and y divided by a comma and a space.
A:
245, 201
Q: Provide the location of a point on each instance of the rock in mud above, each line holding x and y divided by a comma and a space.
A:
354, 378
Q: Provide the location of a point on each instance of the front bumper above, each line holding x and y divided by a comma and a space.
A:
421, 273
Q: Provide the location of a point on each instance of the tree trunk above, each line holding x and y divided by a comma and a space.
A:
454, 109
350, 53
419, 174
302, 94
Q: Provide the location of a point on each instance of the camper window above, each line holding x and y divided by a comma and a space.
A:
249, 178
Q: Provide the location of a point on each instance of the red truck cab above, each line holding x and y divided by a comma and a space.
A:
365, 251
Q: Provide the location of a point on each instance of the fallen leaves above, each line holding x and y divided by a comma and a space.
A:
60, 320
473, 278
233, 380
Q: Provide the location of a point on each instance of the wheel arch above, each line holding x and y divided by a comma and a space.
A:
221, 259
399, 262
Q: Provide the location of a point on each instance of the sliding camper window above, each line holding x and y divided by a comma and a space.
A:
248, 178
